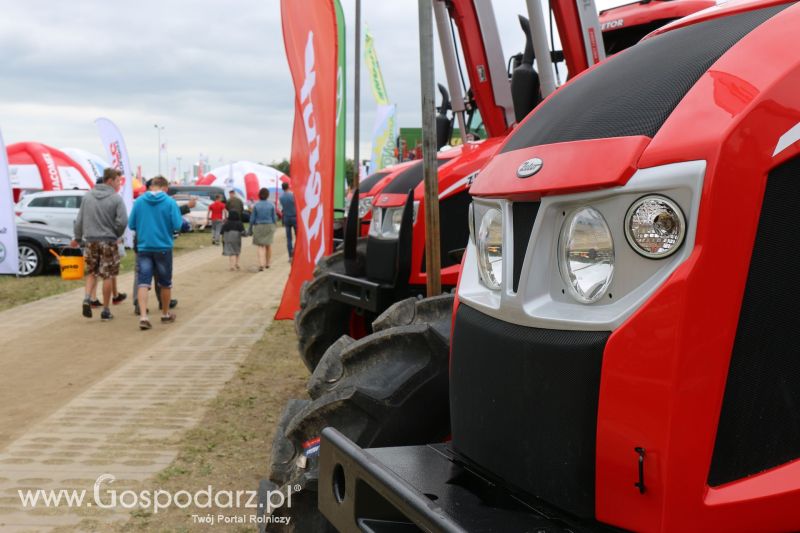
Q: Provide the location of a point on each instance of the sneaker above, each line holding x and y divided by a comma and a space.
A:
145, 324
87, 309
168, 319
96, 303
106, 315
119, 298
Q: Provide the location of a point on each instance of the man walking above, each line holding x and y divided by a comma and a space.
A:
155, 217
289, 212
234, 203
101, 222
217, 215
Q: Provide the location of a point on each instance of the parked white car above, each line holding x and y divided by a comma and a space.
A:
56, 209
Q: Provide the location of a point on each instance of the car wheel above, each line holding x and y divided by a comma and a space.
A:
31, 260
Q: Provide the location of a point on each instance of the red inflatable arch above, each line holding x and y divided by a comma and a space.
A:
38, 167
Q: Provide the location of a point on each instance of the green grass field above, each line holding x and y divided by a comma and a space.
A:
17, 291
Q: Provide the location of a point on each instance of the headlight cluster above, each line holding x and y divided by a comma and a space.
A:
364, 206
386, 222
654, 226
58, 241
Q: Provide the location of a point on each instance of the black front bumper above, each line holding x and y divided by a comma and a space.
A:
421, 488
361, 293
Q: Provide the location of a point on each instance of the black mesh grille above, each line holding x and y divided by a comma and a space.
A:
409, 178
524, 217
523, 405
759, 425
635, 91
382, 260
366, 185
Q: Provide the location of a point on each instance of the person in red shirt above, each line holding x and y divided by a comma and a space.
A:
217, 215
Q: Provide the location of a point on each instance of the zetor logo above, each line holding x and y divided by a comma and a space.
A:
612, 24
313, 187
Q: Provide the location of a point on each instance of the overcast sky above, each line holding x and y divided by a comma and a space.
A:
213, 73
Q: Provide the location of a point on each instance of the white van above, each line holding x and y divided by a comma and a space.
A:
57, 209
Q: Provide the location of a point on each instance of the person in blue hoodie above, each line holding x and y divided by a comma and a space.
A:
155, 218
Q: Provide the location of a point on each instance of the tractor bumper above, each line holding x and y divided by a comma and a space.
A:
417, 488
361, 293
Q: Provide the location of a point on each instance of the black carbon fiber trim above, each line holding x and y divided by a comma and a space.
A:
759, 425
634, 92
409, 178
366, 185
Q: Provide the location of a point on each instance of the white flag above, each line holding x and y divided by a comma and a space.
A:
9, 251
117, 154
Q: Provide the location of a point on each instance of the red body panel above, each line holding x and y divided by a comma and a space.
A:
636, 14
568, 167
469, 31
664, 369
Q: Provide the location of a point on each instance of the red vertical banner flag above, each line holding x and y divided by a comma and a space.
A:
310, 38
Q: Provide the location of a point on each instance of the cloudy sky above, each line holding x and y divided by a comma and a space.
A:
213, 73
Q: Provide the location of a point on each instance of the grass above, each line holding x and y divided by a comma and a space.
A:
230, 447
17, 291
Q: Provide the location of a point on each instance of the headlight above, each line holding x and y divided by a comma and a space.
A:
655, 226
490, 248
375, 223
58, 241
586, 255
386, 222
364, 205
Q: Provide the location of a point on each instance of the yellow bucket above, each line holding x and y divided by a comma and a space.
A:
71, 263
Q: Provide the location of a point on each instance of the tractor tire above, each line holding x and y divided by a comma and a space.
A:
392, 391
339, 363
321, 320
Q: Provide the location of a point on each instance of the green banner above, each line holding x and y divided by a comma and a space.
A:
371, 59
340, 181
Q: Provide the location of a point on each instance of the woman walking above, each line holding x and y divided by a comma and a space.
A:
232, 232
262, 226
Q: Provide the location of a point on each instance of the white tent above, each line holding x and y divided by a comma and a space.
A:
94, 165
246, 178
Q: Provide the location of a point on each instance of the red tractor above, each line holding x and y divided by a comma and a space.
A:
623, 350
390, 387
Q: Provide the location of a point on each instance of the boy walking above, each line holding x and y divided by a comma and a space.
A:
100, 223
155, 217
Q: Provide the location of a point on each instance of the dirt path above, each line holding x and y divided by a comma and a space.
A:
79, 397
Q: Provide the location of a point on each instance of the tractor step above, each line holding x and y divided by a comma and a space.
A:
361, 293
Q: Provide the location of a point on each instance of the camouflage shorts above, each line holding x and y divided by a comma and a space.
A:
102, 258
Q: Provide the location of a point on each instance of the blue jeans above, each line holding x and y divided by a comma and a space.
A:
290, 223
158, 262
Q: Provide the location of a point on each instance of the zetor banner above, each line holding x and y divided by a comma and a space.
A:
9, 259
311, 41
117, 154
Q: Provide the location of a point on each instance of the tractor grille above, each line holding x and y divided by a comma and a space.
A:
759, 426
524, 216
523, 405
382, 259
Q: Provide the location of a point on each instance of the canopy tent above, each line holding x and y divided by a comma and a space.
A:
93, 164
246, 178
38, 167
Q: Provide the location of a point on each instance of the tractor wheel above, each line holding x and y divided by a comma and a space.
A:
392, 390
321, 320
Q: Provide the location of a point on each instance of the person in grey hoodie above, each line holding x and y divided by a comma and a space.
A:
101, 222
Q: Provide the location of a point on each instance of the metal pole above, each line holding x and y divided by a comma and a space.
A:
541, 47
357, 97
432, 259
158, 132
